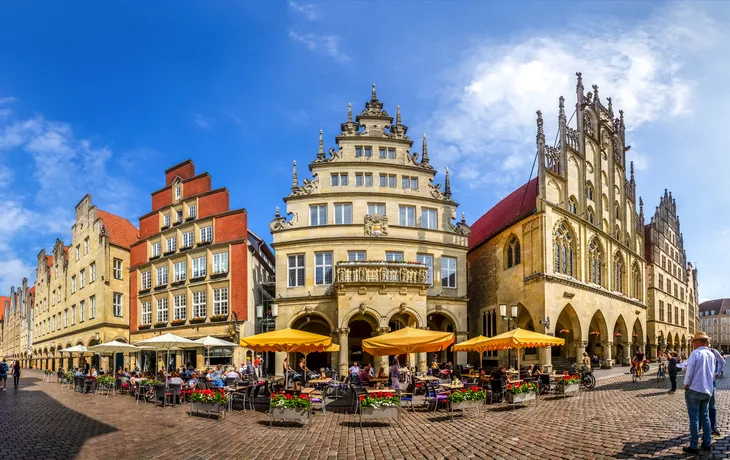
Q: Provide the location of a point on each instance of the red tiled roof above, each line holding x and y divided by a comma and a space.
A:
49, 261
513, 208
718, 305
2, 305
121, 231
32, 289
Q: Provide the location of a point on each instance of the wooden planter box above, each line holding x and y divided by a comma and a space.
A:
568, 389
289, 414
214, 409
381, 413
520, 397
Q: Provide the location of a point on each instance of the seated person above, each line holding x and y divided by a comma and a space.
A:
530, 370
192, 381
499, 373
175, 379
94, 374
232, 374
79, 373
382, 374
215, 380
365, 375
537, 370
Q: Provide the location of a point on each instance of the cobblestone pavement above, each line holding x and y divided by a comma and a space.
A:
618, 419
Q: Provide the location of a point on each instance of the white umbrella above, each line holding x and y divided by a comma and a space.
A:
110, 348
167, 342
208, 342
74, 349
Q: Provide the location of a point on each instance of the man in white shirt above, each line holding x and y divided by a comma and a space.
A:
354, 369
698, 380
719, 368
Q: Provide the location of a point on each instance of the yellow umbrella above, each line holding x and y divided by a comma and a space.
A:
521, 338
408, 340
287, 340
477, 344
332, 348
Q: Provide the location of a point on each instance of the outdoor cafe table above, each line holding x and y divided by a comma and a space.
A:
427, 378
319, 381
452, 386
375, 381
380, 390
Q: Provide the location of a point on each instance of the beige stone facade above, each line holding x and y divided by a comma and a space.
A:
82, 290
714, 320
566, 247
369, 244
672, 281
17, 313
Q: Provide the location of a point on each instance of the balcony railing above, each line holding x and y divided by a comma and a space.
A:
363, 272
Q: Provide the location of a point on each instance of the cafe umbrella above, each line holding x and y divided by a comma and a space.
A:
167, 342
209, 342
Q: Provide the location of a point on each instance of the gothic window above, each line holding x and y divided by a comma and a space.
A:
595, 261
618, 272
564, 250
636, 284
591, 216
618, 210
573, 205
617, 233
589, 191
513, 252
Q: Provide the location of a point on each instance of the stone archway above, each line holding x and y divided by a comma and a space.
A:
399, 320
637, 337
684, 344
315, 324
568, 327
621, 340
53, 357
677, 344
438, 321
670, 342
597, 334
525, 321
95, 358
362, 326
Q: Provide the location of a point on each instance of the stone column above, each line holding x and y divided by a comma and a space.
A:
422, 364
580, 347
279, 358
343, 366
461, 356
545, 357
607, 361
653, 352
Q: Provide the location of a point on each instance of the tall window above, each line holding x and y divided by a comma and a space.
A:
86, 245
618, 272
513, 252
156, 249
178, 191
368, 152
220, 262
427, 260
82, 278
92, 307
661, 281
563, 250
358, 152
180, 307
618, 210
428, 218
162, 310
188, 239
318, 214
192, 211
296, 270
162, 275
573, 205
391, 153
178, 216
354, 256
180, 271
383, 152
636, 284
199, 267
78, 252
595, 262
220, 301
363, 179
65, 318
589, 191
206, 234
147, 280
392, 180
407, 216
676, 315
118, 269
82, 311
171, 244
166, 220
199, 305
343, 213
146, 312
409, 182
682, 313
669, 313
376, 209
322, 268
661, 310
591, 216
383, 180
393, 256
117, 304
73, 284
73, 315
448, 272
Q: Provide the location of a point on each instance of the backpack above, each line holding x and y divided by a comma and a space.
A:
3, 368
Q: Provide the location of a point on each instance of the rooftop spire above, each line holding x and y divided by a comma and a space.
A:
632, 172
320, 152
294, 179
561, 106
397, 116
579, 84
447, 188
349, 112
374, 96
595, 94
610, 107
540, 130
424, 152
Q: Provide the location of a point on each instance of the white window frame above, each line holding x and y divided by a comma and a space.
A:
200, 266
163, 312
404, 219
171, 244
427, 260
394, 256
318, 215
188, 239
448, 268
206, 234
356, 256
82, 310
342, 215
166, 220
298, 270
73, 284
86, 245
73, 315
374, 208
82, 278
192, 211
78, 252
180, 307
162, 275
146, 280
118, 265
118, 304
180, 271
200, 308
323, 269
156, 248
429, 218
220, 301
178, 191
220, 262
146, 313
92, 307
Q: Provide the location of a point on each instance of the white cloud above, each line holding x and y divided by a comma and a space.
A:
203, 122
12, 272
7, 100
488, 109
305, 9
327, 44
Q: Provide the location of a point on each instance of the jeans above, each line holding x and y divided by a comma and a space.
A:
698, 411
712, 410
673, 379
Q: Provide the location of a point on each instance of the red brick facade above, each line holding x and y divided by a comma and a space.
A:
184, 170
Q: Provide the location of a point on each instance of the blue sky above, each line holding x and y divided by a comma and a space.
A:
102, 99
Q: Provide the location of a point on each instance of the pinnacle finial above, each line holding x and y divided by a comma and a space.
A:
579, 85
610, 106
447, 188
374, 96
540, 130
320, 151
632, 171
424, 152
561, 106
595, 93
463, 217
349, 112
397, 116
277, 212
294, 179
621, 117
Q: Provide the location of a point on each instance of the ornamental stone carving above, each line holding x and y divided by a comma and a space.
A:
308, 188
280, 223
376, 225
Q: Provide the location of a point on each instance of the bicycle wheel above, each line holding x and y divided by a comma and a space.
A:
633, 377
589, 381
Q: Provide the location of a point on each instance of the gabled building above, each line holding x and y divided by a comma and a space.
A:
714, 320
565, 251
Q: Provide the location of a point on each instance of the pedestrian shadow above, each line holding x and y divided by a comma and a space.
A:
367, 424
35, 425
637, 449
656, 393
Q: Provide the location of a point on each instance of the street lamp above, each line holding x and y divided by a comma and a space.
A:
510, 320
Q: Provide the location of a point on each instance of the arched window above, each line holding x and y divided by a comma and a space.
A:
564, 249
618, 210
591, 216
573, 205
595, 262
617, 233
636, 281
513, 252
618, 272
589, 191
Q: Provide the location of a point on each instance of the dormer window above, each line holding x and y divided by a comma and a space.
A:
178, 190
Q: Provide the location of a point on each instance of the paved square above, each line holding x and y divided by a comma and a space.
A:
618, 419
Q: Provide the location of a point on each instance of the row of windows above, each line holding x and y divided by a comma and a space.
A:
367, 152
81, 281
78, 251
192, 214
318, 214
324, 270
675, 270
678, 291
61, 320
199, 267
678, 315
188, 241
199, 306
366, 180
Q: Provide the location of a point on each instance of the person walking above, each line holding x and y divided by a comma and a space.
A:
4, 373
672, 370
698, 380
719, 368
16, 374
395, 374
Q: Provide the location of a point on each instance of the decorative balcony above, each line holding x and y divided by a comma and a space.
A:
381, 272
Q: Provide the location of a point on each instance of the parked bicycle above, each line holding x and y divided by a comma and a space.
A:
587, 379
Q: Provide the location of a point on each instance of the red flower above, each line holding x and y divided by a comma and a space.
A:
463, 390
362, 397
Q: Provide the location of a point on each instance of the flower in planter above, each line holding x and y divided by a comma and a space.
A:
618, 334
519, 388
105, 380
378, 400
287, 401
569, 380
161, 324
470, 394
219, 317
209, 397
